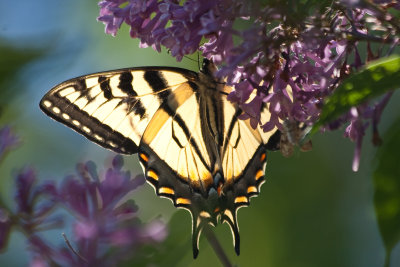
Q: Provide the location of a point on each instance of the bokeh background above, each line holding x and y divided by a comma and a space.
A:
312, 211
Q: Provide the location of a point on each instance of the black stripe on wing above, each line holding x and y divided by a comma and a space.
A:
63, 111
157, 82
105, 87
126, 86
125, 83
230, 129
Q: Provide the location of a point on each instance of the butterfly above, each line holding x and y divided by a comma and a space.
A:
192, 146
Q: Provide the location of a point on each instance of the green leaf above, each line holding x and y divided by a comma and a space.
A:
387, 189
377, 78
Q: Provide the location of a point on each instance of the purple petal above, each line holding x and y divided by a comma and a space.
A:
118, 162
7, 140
74, 196
38, 261
25, 181
86, 229
124, 237
156, 231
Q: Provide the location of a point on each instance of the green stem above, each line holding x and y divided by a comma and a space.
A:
387, 259
212, 239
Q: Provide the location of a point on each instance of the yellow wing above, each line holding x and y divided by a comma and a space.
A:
113, 108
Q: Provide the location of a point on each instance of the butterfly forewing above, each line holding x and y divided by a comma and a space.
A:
113, 108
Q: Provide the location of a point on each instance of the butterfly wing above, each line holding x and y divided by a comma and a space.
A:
113, 108
210, 167
243, 161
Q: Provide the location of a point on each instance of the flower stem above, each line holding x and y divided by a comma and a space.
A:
72, 249
216, 245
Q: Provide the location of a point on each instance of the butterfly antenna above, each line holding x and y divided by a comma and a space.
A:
198, 60
187, 57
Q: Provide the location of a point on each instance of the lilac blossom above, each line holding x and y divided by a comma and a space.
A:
105, 229
292, 66
34, 206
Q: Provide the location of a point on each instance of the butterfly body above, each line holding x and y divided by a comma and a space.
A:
193, 148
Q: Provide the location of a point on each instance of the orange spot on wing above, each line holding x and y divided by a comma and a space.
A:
219, 189
183, 201
143, 157
166, 190
241, 199
262, 158
152, 174
259, 175
251, 189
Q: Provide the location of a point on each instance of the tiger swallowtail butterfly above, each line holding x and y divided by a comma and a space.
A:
191, 144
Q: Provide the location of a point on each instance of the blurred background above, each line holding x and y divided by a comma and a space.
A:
312, 211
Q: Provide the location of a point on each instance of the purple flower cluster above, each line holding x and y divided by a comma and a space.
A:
179, 28
293, 65
105, 229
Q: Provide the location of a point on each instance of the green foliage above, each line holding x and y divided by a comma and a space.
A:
376, 79
387, 189
12, 59
170, 252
